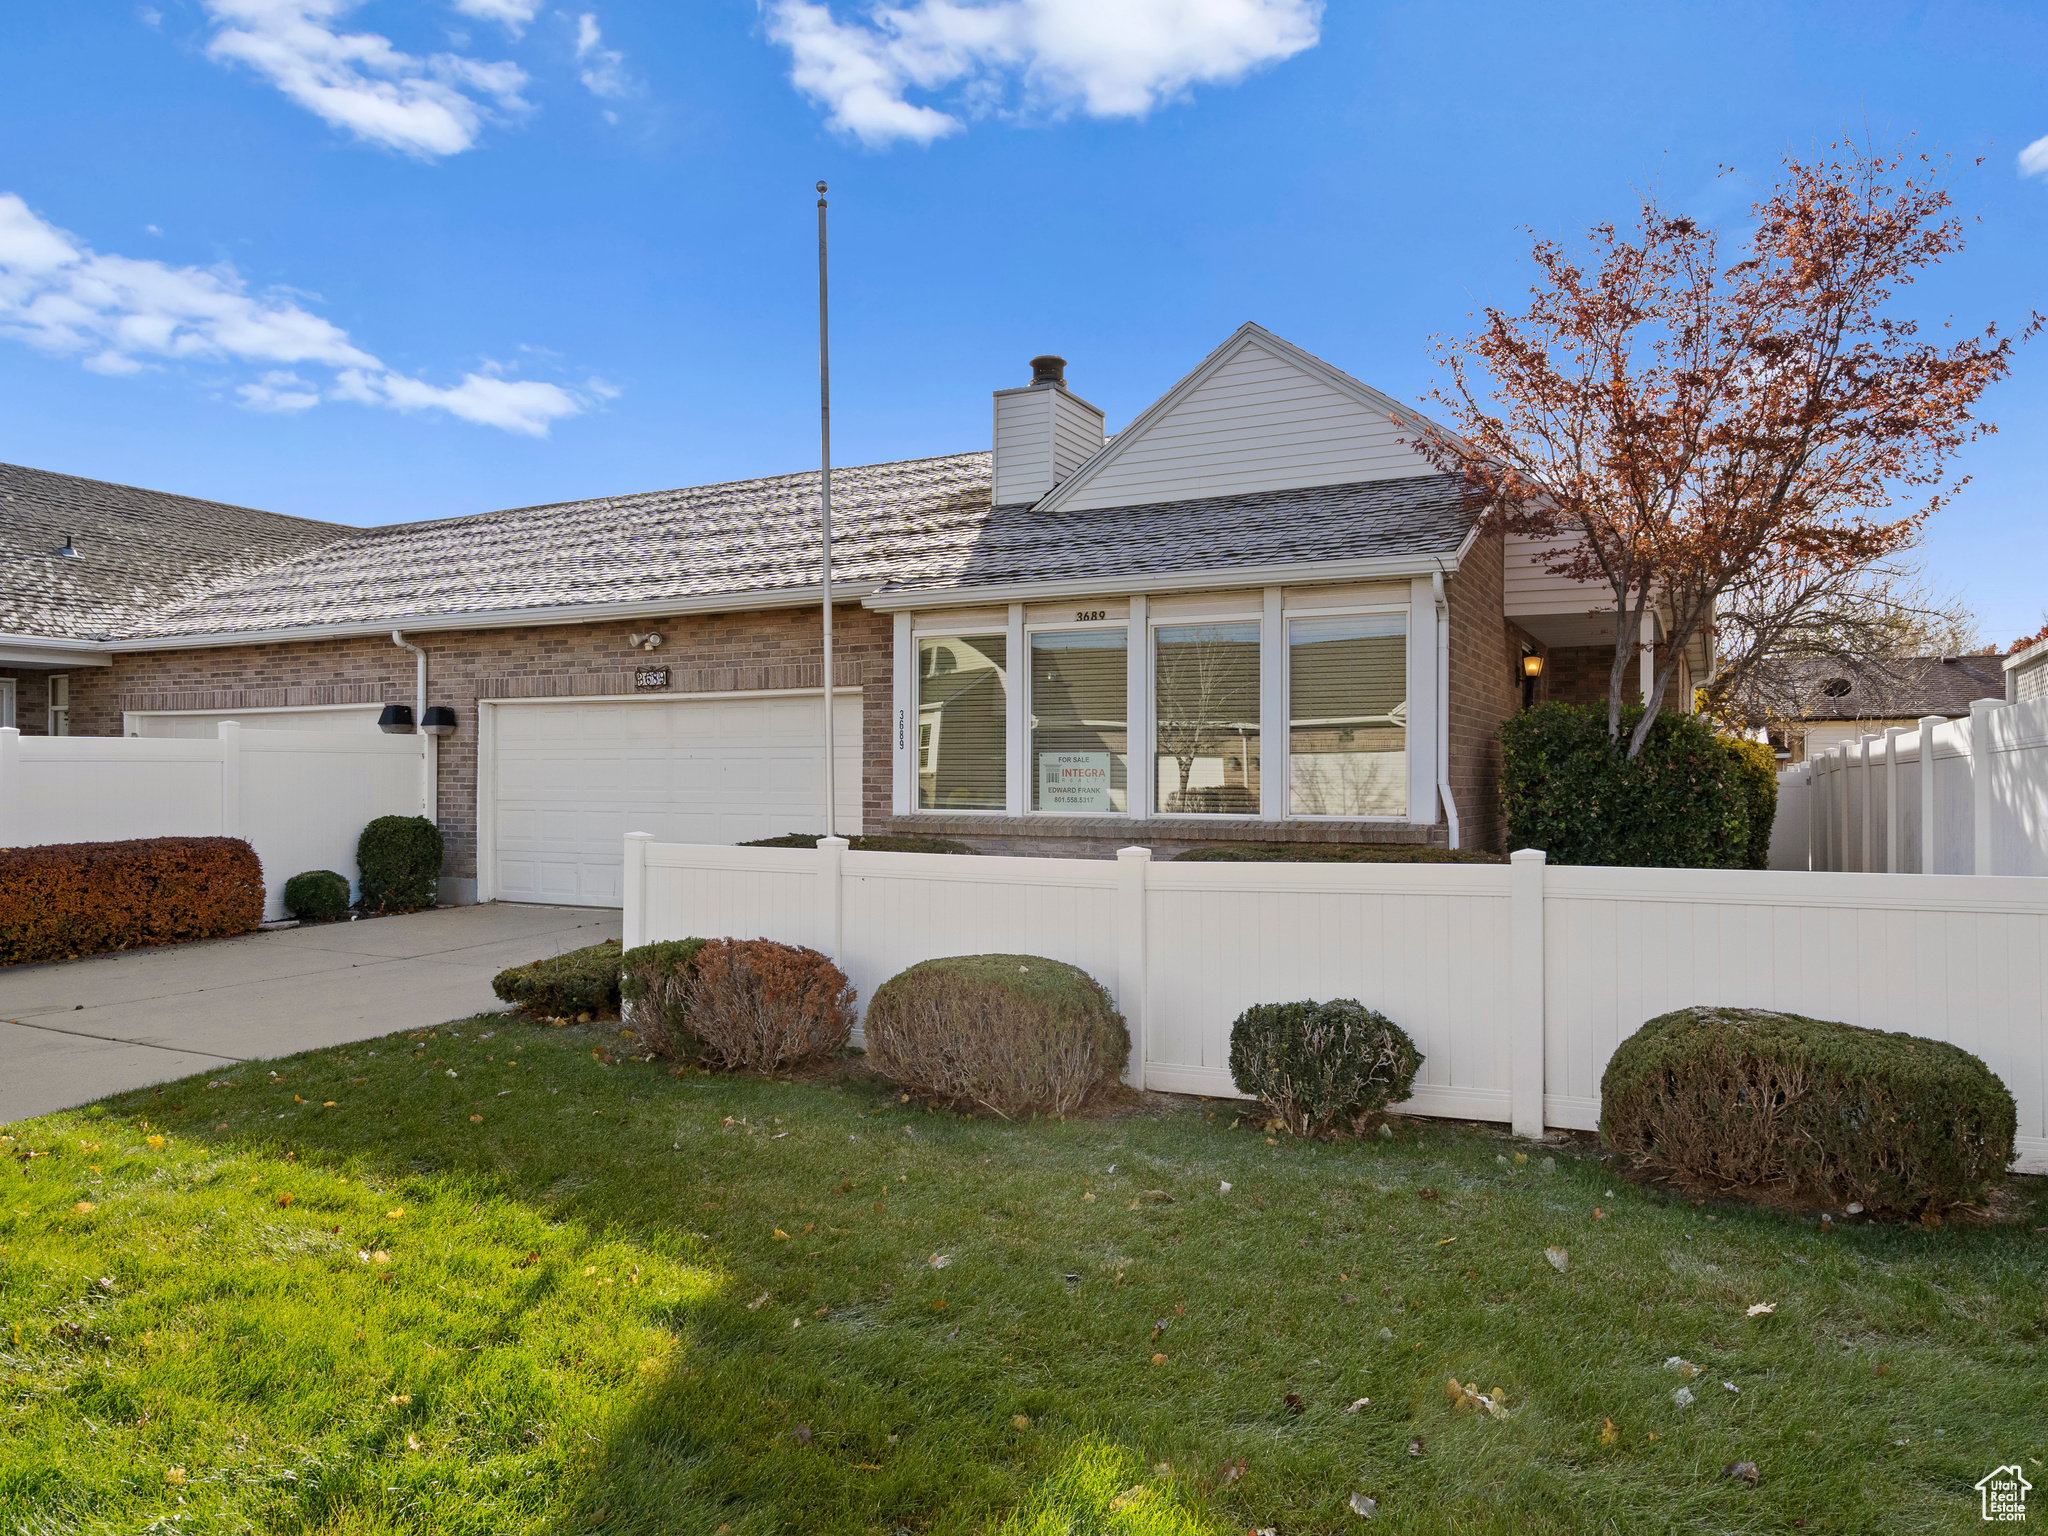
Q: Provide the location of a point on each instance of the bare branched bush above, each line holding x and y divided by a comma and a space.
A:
1007, 1033
757, 1006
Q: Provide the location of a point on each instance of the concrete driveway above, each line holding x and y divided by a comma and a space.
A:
77, 1030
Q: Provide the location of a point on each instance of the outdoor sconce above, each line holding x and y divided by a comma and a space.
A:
396, 720
1532, 666
439, 720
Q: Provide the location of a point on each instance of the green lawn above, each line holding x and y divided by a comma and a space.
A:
336, 1300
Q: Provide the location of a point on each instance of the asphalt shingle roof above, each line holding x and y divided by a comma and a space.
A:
1904, 688
141, 552
916, 525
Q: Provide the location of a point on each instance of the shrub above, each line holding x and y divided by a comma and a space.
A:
317, 894
756, 1006
1321, 1066
1738, 1100
1336, 853
1756, 771
877, 844
579, 981
654, 983
65, 899
1010, 1033
400, 861
1568, 790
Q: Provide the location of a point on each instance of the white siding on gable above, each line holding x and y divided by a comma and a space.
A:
1528, 588
1258, 423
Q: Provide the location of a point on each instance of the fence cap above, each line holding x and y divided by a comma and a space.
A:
1134, 853
1528, 856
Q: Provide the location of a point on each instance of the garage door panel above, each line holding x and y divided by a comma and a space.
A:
572, 779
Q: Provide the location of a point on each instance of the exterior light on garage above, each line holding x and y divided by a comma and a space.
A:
396, 720
439, 720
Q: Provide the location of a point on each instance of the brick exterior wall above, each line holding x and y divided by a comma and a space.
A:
1485, 688
705, 653
1578, 675
32, 699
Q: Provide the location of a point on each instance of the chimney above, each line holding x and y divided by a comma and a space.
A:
1043, 433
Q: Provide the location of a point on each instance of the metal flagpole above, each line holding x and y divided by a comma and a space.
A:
825, 498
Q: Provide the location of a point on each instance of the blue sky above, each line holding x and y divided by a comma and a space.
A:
409, 258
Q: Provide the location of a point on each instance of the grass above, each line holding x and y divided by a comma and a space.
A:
334, 1299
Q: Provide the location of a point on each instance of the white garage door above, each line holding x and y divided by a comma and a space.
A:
571, 780
206, 726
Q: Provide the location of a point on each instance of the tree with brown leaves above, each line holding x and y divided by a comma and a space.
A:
1678, 425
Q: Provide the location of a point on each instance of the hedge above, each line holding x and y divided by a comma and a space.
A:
316, 895
877, 844
399, 858
1756, 770
1321, 1067
1335, 853
66, 899
1743, 1101
1568, 790
580, 981
1008, 1033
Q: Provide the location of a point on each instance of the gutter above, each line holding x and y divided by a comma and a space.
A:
1208, 579
43, 651
501, 618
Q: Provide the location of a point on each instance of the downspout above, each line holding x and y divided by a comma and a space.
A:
429, 798
1443, 703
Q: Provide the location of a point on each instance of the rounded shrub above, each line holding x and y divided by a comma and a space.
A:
1745, 1102
317, 895
1756, 771
1010, 1033
654, 992
1568, 790
1321, 1067
399, 858
757, 1006
567, 985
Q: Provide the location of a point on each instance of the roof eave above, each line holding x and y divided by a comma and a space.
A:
1291, 574
22, 650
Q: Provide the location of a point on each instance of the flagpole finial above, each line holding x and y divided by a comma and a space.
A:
821, 191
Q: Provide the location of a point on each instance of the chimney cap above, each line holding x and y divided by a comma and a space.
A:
1048, 369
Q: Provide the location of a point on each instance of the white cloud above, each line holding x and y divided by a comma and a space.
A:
120, 315
1106, 58
513, 14
2034, 159
604, 69
359, 81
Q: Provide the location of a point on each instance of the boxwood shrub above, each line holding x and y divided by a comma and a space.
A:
63, 899
1321, 1067
577, 982
1745, 1102
399, 858
753, 1005
1756, 770
1679, 804
1335, 853
654, 994
317, 895
1011, 1034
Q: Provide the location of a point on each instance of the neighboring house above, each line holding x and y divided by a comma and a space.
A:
1850, 699
1254, 614
2026, 673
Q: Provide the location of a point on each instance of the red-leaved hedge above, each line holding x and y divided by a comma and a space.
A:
66, 899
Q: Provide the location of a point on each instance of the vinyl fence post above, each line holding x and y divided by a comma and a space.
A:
1525, 989
1892, 733
1929, 724
633, 932
1980, 781
832, 894
10, 786
1864, 861
231, 778
1132, 865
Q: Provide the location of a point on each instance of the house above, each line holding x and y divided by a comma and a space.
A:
1255, 613
2026, 673
1847, 700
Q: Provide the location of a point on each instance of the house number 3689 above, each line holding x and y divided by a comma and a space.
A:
1084, 614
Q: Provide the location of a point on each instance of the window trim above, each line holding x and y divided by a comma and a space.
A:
1407, 613
954, 632
1030, 718
52, 708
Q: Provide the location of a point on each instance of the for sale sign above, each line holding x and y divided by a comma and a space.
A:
1073, 781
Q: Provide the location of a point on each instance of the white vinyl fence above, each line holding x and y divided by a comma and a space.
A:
1515, 981
1867, 806
299, 798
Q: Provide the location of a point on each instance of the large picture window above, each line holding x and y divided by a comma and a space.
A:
1206, 719
961, 731
1347, 747
1080, 747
